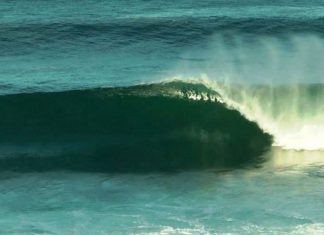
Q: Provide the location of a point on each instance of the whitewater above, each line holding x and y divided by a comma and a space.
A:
293, 114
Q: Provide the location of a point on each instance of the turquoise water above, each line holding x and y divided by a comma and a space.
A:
283, 197
59, 45
161, 117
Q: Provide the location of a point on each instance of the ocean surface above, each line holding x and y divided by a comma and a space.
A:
161, 117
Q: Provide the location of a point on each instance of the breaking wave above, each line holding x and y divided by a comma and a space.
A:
166, 126
292, 113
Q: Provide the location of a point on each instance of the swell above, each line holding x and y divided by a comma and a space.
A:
166, 126
180, 31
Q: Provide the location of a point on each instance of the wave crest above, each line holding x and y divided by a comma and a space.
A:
292, 113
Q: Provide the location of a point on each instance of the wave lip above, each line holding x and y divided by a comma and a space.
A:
292, 113
166, 126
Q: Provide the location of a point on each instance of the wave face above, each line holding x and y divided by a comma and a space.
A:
167, 126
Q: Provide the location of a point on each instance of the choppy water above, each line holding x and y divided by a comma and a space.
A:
161, 117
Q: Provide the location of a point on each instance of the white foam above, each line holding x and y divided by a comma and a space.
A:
294, 118
262, 78
291, 114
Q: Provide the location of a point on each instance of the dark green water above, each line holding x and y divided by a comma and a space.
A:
142, 128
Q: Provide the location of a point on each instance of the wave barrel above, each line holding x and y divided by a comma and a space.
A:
134, 129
